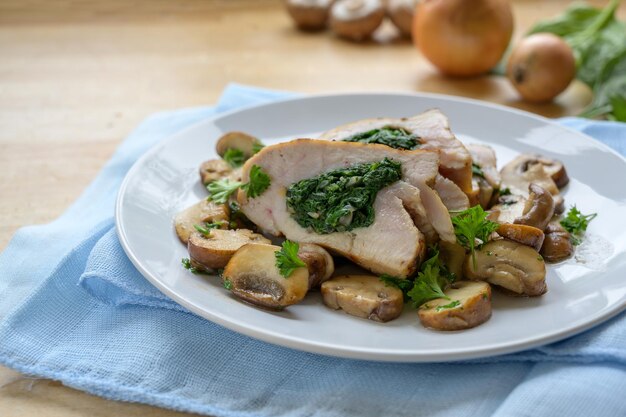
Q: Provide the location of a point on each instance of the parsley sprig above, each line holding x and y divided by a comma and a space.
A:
429, 284
221, 190
259, 182
576, 223
287, 259
472, 229
234, 157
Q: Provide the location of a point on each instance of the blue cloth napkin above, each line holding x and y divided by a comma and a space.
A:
116, 336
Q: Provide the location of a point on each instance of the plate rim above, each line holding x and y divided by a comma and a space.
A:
326, 349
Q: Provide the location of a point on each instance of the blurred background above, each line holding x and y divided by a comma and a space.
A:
77, 76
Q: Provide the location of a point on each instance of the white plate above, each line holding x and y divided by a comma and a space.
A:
582, 292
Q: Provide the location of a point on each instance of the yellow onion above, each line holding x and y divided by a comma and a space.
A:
463, 37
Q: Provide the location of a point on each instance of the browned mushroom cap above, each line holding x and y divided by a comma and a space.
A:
240, 141
557, 245
309, 14
213, 170
510, 265
318, 261
401, 13
363, 296
552, 167
198, 214
356, 19
539, 208
524, 170
252, 276
213, 252
526, 235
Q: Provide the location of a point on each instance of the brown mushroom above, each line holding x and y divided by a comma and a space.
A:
213, 251
508, 208
557, 245
510, 265
238, 140
213, 170
401, 13
198, 214
526, 235
318, 261
468, 305
518, 174
553, 167
539, 208
252, 275
356, 19
363, 296
309, 14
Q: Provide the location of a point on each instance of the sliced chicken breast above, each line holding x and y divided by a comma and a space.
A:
393, 244
305, 158
451, 195
433, 129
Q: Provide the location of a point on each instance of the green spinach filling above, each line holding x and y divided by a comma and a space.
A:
390, 136
342, 199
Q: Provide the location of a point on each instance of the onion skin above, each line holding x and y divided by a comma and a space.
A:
540, 67
463, 38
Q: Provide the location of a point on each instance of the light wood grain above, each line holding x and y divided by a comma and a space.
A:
77, 76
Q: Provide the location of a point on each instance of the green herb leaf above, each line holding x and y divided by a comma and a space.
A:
287, 259
453, 304
477, 170
206, 232
342, 199
221, 190
234, 157
598, 40
390, 136
257, 146
429, 285
576, 223
259, 182
405, 285
227, 284
472, 229
186, 262
504, 191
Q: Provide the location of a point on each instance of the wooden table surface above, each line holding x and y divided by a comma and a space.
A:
76, 77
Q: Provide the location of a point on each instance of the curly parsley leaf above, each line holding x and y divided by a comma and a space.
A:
234, 157
429, 285
287, 259
472, 229
221, 190
227, 284
576, 223
259, 182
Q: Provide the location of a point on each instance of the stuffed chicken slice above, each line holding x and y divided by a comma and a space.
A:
365, 202
426, 131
